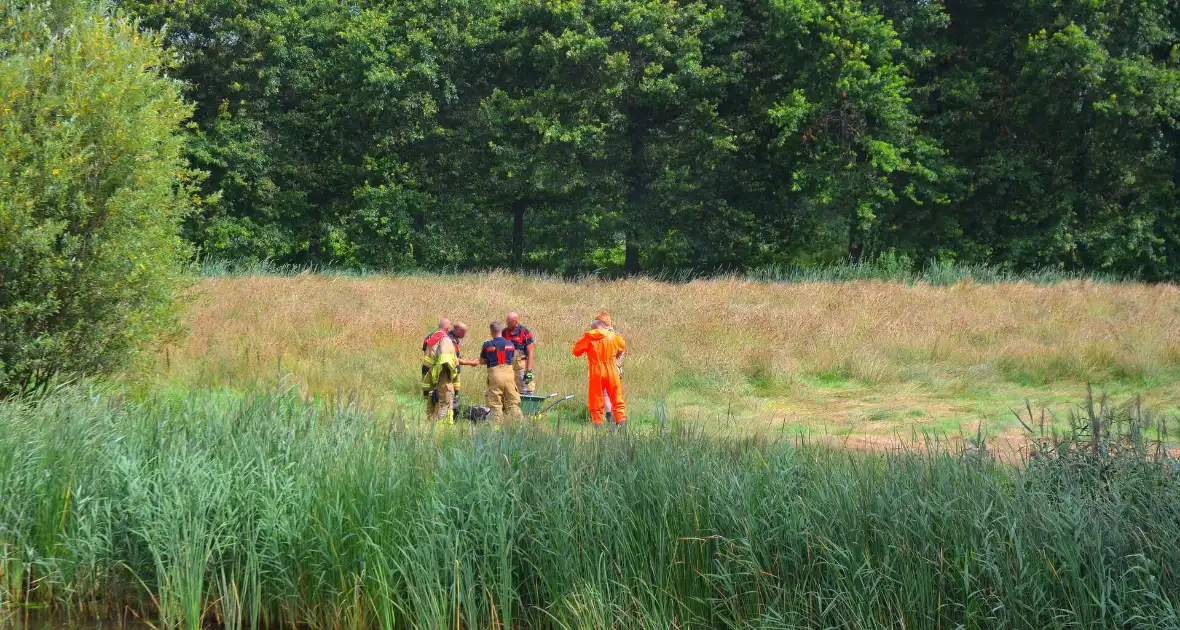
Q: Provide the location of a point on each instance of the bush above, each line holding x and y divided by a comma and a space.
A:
93, 187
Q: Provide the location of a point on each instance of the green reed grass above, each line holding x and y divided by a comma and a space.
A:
887, 267
267, 511
902, 269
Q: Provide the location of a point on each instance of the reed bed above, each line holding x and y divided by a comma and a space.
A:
265, 510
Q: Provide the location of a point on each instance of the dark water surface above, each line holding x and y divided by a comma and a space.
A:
40, 620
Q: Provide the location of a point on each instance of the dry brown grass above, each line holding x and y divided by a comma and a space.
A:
811, 352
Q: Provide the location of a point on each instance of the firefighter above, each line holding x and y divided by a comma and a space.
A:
498, 354
457, 334
526, 353
431, 340
603, 348
440, 371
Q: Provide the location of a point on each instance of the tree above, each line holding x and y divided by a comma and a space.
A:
407, 73
683, 134
1062, 119
661, 135
538, 143
327, 125
93, 187
828, 144
601, 115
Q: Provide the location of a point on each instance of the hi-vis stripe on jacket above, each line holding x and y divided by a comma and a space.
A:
438, 355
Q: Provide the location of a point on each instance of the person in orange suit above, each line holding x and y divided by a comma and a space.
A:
602, 348
604, 317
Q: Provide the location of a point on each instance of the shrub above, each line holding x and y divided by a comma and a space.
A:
93, 187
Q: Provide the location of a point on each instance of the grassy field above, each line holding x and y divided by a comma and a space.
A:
266, 511
866, 361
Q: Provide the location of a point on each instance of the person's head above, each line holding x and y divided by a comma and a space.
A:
460, 330
597, 324
604, 317
513, 320
496, 329
444, 324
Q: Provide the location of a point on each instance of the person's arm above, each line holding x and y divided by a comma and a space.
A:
531, 355
581, 347
471, 362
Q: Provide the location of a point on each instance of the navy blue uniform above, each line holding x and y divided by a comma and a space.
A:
502, 396
520, 336
498, 351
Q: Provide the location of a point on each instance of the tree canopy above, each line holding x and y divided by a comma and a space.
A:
650, 135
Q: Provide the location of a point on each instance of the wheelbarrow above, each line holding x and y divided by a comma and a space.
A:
534, 407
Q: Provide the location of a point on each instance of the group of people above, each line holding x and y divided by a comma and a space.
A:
509, 356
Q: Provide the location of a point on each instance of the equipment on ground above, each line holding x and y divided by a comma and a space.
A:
478, 414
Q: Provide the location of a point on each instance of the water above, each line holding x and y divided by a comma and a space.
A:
40, 620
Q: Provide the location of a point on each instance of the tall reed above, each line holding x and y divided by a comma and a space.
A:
262, 510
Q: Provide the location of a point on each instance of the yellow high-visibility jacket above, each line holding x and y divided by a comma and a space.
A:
439, 357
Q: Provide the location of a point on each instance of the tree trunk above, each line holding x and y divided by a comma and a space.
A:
518, 209
855, 242
631, 259
637, 185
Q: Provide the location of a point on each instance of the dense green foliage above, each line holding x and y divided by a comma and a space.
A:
265, 510
92, 191
653, 135
1064, 118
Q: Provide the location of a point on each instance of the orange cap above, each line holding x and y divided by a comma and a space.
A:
604, 317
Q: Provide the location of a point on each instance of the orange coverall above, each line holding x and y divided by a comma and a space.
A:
601, 346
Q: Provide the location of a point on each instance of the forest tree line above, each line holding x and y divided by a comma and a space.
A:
655, 135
